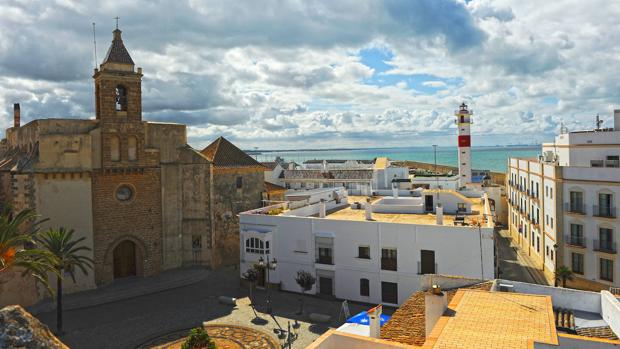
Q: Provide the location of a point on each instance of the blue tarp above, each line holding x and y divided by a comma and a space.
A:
362, 318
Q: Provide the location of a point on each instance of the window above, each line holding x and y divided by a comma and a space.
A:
256, 245
388, 259
551, 220
325, 256
115, 149
606, 240
576, 202
389, 292
363, 252
577, 263
196, 242
551, 193
239, 182
132, 148
605, 207
538, 244
551, 254
606, 269
121, 98
546, 190
364, 287
576, 235
124, 193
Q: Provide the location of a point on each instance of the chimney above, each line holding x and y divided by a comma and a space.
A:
374, 317
439, 214
435, 304
394, 190
368, 208
291, 165
617, 120
16, 115
322, 208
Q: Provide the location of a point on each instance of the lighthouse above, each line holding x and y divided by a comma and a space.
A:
463, 122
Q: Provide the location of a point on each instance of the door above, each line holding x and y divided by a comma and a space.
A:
389, 292
325, 286
428, 203
260, 280
125, 259
427, 264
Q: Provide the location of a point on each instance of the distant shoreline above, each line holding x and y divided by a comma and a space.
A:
512, 146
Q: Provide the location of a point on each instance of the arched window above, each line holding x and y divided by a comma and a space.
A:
256, 245
132, 148
121, 98
115, 149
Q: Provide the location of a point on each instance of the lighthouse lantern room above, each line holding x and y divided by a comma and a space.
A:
463, 121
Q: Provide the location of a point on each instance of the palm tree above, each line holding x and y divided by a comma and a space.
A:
17, 234
67, 258
562, 274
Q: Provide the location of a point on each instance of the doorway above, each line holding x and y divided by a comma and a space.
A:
326, 286
428, 203
427, 264
125, 259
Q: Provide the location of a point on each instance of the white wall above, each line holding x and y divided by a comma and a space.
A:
457, 252
610, 310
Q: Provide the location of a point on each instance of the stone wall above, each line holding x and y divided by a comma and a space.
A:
17, 289
138, 220
227, 202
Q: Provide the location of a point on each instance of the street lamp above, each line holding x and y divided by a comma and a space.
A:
270, 265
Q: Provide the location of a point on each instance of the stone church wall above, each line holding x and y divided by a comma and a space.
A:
138, 220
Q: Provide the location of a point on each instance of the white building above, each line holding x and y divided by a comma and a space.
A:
370, 252
563, 205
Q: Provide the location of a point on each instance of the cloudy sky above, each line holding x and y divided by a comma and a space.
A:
321, 74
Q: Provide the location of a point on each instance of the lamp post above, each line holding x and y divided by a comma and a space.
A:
270, 264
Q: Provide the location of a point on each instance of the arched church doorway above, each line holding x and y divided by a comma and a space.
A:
125, 259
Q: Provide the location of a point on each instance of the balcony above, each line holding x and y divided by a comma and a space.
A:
575, 241
575, 207
605, 246
604, 211
388, 264
325, 260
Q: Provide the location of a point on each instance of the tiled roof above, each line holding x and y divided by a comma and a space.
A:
407, 325
332, 174
269, 164
117, 53
225, 154
604, 332
269, 187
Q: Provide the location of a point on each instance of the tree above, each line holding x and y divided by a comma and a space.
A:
68, 256
251, 275
198, 339
305, 280
17, 234
562, 274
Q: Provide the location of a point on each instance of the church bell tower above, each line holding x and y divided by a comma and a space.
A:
117, 86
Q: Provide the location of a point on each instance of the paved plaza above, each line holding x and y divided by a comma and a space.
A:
157, 318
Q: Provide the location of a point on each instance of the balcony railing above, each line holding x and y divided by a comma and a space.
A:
605, 246
434, 271
575, 240
604, 211
389, 264
575, 207
325, 260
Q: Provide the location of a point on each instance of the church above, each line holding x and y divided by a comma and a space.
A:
144, 200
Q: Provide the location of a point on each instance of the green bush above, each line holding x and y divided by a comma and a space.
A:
198, 339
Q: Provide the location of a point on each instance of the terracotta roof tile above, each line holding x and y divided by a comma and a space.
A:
225, 154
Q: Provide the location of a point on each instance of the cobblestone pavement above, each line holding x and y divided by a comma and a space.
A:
132, 322
514, 264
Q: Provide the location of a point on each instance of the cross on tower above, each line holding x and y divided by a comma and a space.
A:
117, 18
599, 122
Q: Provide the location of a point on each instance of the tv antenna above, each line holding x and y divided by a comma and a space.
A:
599, 122
95, 44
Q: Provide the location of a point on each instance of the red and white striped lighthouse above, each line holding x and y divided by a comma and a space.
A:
463, 121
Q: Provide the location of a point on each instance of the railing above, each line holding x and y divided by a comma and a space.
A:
574, 207
605, 246
575, 240
435, 270
614, 290
612, 163
325, 260
389, 264
604, 211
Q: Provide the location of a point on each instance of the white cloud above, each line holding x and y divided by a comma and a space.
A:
289, 74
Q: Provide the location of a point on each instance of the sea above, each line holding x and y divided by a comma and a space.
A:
483, 158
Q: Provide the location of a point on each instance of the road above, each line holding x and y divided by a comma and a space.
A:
516, 265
